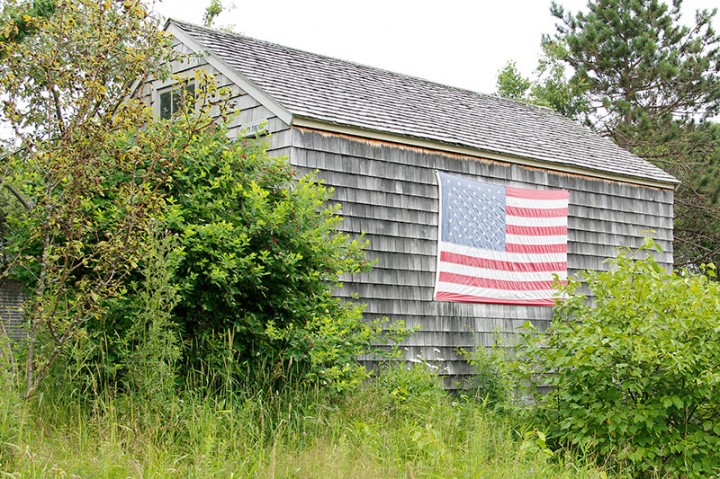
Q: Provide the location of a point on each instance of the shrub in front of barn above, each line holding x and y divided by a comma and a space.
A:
634, 374
261, 256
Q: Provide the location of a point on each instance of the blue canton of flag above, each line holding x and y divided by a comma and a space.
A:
473, 213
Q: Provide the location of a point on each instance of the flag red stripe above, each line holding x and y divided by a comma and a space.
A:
536, 230
495, 283
464, 298
536, 212
537, 194
535, 248
514, 266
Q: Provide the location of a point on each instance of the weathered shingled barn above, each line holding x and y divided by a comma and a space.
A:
379, 138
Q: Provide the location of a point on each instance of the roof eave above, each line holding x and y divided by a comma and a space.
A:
332, 127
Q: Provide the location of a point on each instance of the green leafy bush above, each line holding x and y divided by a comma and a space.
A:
260, 258
258, 252
634, 372
493, 381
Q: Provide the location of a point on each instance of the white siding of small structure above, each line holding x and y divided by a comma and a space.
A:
390, 193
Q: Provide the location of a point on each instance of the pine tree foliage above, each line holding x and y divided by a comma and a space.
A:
652, 84
549, 85
639, 64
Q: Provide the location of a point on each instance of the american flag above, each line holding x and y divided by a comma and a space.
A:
500, 244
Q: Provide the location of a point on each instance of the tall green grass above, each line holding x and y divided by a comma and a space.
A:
398, 424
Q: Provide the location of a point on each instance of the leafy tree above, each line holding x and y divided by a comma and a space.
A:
511, 83
25, 19
212, 11
635, 375
652, 84
87, 162
549, 87
9, 206
257, 253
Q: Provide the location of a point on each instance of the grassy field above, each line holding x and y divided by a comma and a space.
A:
399, 424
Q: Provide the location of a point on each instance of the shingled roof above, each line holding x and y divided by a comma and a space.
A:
326, 89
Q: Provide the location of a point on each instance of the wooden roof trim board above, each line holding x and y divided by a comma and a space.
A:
231, 73
321, 127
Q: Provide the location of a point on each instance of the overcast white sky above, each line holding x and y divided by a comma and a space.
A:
462, 43
456, 42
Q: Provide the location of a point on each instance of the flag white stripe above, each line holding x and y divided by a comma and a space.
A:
536, 203
530, 239
524, 221
522, 276
443, 287
502, 255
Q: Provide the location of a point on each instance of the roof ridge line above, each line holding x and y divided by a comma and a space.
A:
351, 62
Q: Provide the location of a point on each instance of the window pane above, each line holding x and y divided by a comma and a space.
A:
176, 100
165, 105
190, 95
